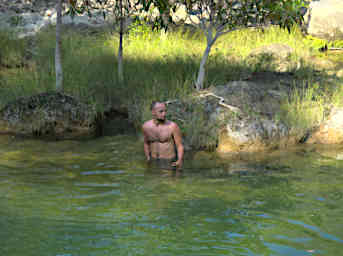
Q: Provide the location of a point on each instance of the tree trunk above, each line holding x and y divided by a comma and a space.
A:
120, 50
201, 74
58, 57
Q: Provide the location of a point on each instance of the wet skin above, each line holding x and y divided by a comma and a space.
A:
162, 136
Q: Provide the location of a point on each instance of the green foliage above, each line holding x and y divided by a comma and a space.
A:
139, 30
318, 43
315, 42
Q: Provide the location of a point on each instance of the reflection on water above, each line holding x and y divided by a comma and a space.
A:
99, 198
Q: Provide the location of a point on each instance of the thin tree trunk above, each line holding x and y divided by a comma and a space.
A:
120, 50
201, 74
58, 57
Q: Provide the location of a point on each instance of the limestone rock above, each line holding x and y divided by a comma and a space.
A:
250, 97
340, 73
325, 19
48, 114
252, 136
331, 131
253, 128
278, 50
322, 64
273, 56
26, 19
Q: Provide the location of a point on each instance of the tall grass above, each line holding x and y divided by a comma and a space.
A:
156, 64
305, 109
242, 42
12, 50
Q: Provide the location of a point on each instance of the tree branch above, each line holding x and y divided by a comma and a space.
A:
221, 102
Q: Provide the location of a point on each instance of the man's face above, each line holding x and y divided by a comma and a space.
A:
159, 112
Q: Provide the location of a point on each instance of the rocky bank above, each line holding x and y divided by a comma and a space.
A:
239, 116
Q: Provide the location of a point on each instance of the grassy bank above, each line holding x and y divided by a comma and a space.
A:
157, 65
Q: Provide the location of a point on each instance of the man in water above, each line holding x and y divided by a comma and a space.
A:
161, 139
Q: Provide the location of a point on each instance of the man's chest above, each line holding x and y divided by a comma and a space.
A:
160, 133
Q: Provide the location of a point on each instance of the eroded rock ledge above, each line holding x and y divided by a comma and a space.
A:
49, 114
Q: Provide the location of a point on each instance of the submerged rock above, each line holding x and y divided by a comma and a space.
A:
50, 114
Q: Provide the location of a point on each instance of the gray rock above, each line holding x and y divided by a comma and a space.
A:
331, 131
48, 114
21, 19
324, 19
253, 127
250, 97
252, 135
281, 51
272, 57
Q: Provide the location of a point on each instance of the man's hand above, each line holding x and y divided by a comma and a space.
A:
177, 164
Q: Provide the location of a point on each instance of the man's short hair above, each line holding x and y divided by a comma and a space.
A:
154, 103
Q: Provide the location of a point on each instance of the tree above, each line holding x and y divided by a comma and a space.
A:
214, 17
219, 17
122, 10
58, 55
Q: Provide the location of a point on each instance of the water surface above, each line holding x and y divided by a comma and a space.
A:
98, 198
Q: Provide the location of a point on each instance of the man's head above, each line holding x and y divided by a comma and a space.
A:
159, 111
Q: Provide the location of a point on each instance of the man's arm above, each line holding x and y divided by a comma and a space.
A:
179, 146
146, 145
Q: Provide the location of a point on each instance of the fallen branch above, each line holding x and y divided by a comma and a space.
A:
221, 102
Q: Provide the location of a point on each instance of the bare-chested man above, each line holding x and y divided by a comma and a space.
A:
162, 138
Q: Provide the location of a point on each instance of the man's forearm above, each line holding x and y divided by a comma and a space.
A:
180, 152
147, 151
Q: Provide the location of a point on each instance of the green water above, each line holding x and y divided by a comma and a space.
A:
98, 197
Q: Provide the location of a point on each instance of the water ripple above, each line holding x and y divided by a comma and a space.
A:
96, 172
317, 230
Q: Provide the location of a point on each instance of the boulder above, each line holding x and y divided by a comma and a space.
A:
340, 73
249, 124
322, 64
27, 19
331, 131
244, 116
324, 19
241, 116
252, 136
49, 114
272, 57
252, 98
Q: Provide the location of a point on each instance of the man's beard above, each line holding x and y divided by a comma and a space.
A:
160, 120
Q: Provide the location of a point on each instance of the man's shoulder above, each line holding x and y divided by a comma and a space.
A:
147, 124
172, 124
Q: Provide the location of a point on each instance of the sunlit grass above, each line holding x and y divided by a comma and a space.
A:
242, 42
305, 109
